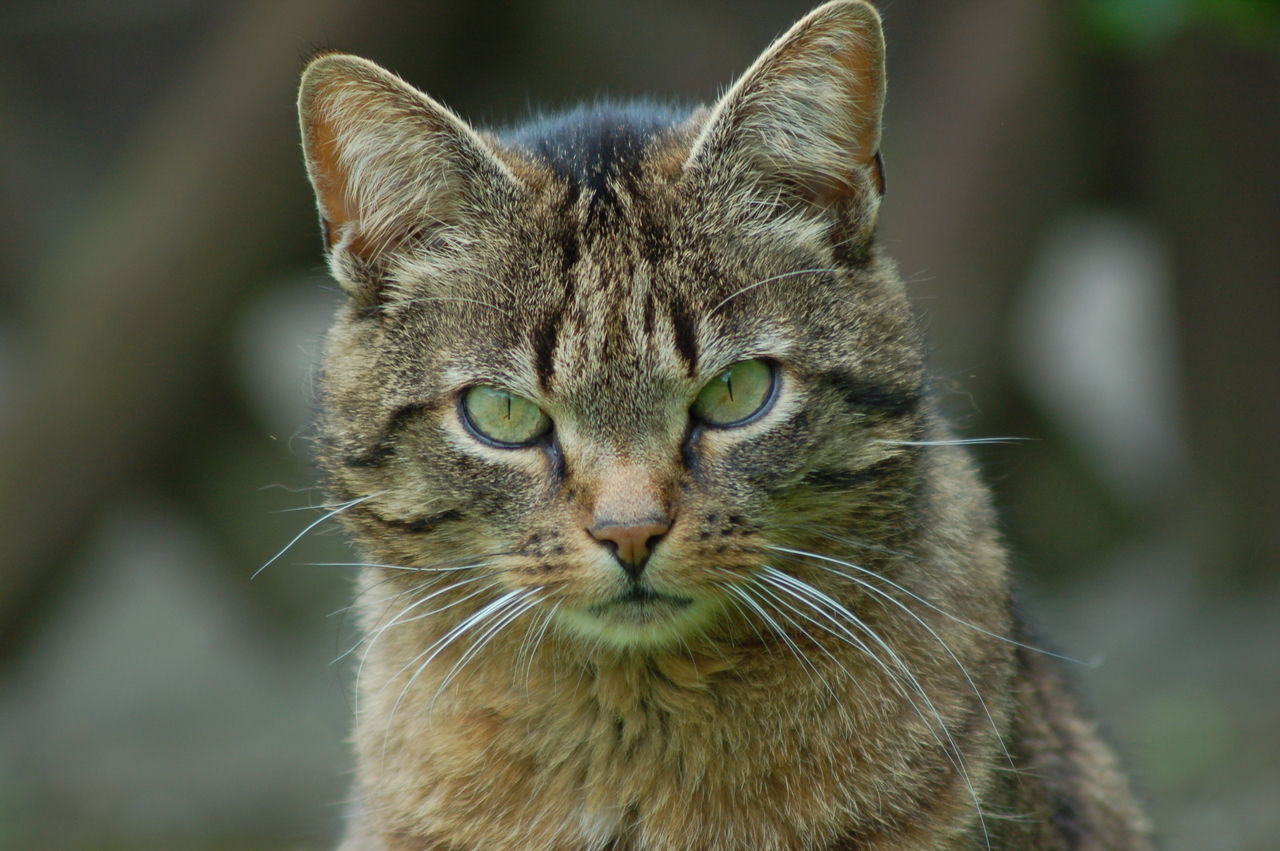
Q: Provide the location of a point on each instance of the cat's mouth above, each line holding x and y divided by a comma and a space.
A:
640, 603
640, 617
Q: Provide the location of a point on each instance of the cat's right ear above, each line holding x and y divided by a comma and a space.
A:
800, 130
392, 169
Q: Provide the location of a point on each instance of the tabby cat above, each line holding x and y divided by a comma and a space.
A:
667, 547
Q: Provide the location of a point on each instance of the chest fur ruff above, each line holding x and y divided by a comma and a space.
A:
669, 752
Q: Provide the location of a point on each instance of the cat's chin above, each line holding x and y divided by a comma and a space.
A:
641, 619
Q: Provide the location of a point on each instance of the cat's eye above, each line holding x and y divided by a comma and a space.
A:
737, 395
502, 418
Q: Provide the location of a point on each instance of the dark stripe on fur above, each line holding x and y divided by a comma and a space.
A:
848, 479
570, 250
686, 336
649, 314
417, 525
544, 339
865, 395
385, 448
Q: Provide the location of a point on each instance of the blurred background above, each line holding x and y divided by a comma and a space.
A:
1084, 196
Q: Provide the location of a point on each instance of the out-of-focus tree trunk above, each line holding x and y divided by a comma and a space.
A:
124, 315
1212, 136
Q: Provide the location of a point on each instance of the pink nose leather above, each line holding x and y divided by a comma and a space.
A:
631, 544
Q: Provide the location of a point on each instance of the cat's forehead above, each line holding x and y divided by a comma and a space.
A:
614, 339
592, 144
612, 288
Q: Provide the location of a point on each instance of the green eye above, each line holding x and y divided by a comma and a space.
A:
502, 418
736, 395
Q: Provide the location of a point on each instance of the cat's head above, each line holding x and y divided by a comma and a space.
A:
612, 363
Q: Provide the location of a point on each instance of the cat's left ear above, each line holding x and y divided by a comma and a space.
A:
802, 125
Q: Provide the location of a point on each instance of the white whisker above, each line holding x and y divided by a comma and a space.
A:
298, 537
400, 618
513, 611
916, 597
814, 675
951, 748
467, 623
849, 674
965, 441
529, 647
474, 619
946, 648
745, 615
410, 568
734, 295
843, 633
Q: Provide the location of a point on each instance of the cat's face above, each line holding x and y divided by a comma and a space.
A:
609, 371
615, 353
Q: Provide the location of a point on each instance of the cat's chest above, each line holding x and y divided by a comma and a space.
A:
657, 772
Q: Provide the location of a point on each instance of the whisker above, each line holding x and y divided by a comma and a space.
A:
848, 637
400, 619
955, 755
745, 615
324, 506
467, 623
849, 674
355, 603
529, 647
472, 620
410, 568
814, 529
814, 675
829, 559
298, 537
963, 441
950, 747
734, 295
941, 643
513, 611
803, 592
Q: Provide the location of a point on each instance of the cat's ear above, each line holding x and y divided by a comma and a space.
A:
802, 125
390, 167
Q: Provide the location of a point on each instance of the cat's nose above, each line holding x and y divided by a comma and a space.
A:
631, 542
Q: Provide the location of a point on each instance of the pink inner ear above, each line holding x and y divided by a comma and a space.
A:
864, 83
331, 180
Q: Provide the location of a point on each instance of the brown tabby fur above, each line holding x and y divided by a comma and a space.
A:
835, 663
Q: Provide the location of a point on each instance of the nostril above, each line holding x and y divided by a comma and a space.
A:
631, 543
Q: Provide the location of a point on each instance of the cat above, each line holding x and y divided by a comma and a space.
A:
666, 544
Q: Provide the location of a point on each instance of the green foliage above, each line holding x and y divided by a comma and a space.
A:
1140, 25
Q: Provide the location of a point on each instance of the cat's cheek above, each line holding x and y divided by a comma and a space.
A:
519, 478
750, 472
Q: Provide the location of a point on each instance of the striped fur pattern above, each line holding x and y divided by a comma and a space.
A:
820, 652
